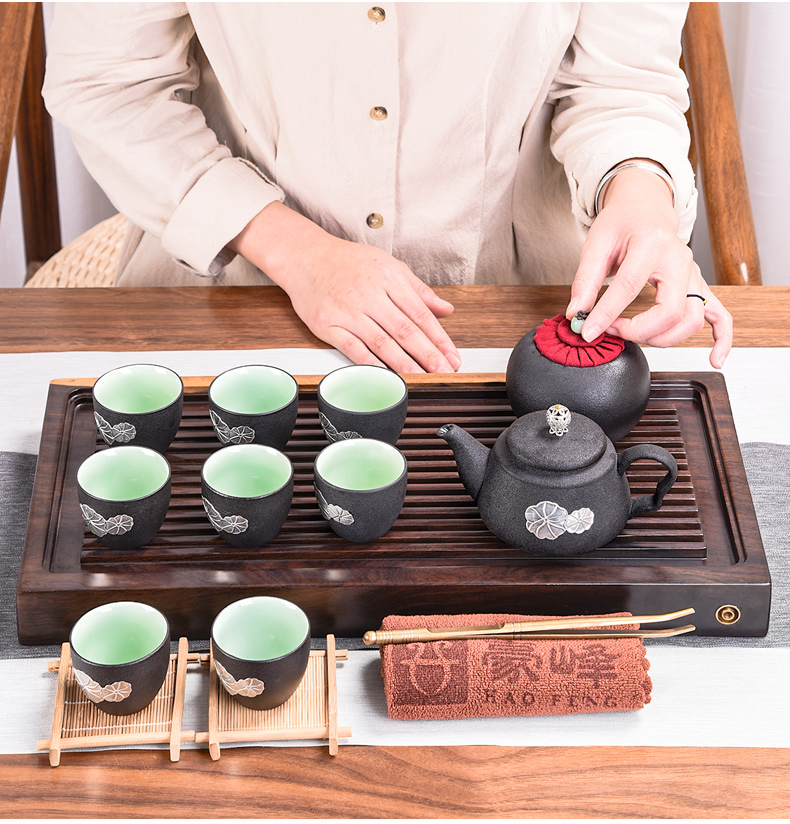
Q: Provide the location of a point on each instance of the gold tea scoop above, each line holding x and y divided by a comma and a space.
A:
558, 628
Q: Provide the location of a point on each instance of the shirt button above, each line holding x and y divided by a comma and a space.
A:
375, 221
378, 113
377, 14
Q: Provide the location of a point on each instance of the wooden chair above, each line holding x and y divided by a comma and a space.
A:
716, 149
91, 259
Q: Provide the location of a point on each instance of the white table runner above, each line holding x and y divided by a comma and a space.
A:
702, 697
757, 380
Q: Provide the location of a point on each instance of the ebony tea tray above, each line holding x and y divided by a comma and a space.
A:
702, 549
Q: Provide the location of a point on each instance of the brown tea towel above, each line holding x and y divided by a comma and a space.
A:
485, 677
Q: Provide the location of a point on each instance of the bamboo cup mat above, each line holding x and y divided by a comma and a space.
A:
78, 723
311, 712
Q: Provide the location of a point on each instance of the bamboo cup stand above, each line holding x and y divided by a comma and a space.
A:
78, 723
310, 713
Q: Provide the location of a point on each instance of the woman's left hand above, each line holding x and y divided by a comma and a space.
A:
635, 239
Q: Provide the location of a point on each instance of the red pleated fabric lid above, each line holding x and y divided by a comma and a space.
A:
559, 343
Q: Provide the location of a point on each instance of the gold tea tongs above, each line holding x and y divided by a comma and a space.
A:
557, 628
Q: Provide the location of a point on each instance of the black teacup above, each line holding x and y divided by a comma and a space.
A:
254, 404
362, 402
261, 649
247, 492
120, 653
360, 486
139, 404
124, 494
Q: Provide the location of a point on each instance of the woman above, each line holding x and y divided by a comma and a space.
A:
359, 154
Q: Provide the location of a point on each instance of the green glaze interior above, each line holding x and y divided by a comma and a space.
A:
360, 463
119, 633
123, 473
253, 390
138, 388
247, 470
259, 629
362, 388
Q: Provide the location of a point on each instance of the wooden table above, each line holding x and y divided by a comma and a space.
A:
375, 782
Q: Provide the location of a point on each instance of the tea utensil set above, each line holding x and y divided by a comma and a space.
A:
552, 628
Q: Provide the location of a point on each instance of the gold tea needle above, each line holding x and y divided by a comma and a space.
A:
546, 628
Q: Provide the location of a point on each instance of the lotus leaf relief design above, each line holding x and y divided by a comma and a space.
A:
247, 687
332, 432
228, 434
333, 512
115, 692
233, 524
579, 521
119, 433
547, 520
101, 526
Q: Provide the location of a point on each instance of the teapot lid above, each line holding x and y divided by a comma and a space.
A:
555, 440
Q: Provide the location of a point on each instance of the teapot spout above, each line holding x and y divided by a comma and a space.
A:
471, 456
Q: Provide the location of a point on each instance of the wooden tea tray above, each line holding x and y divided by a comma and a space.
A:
702, 549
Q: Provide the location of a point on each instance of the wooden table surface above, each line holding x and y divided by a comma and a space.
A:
52, 320
374, 782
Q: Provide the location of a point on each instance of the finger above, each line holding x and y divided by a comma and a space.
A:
440, 307
413, 306
370, 345
349, 345
670, 310
721, 322
410, 337
381, 343
639, 264
671, 277
692, 322
595, 263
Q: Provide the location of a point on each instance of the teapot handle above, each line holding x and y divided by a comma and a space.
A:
649, 503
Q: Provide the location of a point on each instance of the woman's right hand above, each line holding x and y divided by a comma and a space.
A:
357, 298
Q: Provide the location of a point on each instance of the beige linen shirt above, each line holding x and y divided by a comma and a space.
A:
466, 139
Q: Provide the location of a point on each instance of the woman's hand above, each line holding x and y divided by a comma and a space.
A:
635, 239
357, 298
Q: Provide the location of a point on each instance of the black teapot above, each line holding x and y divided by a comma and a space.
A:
607, 379
553, 483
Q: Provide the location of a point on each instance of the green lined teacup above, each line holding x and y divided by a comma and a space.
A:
139, 404
254, 404
124, 494
247, 491
362, 401
120, 653
261, 647
360, 486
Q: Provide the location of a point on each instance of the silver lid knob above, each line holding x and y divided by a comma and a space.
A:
558, 418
